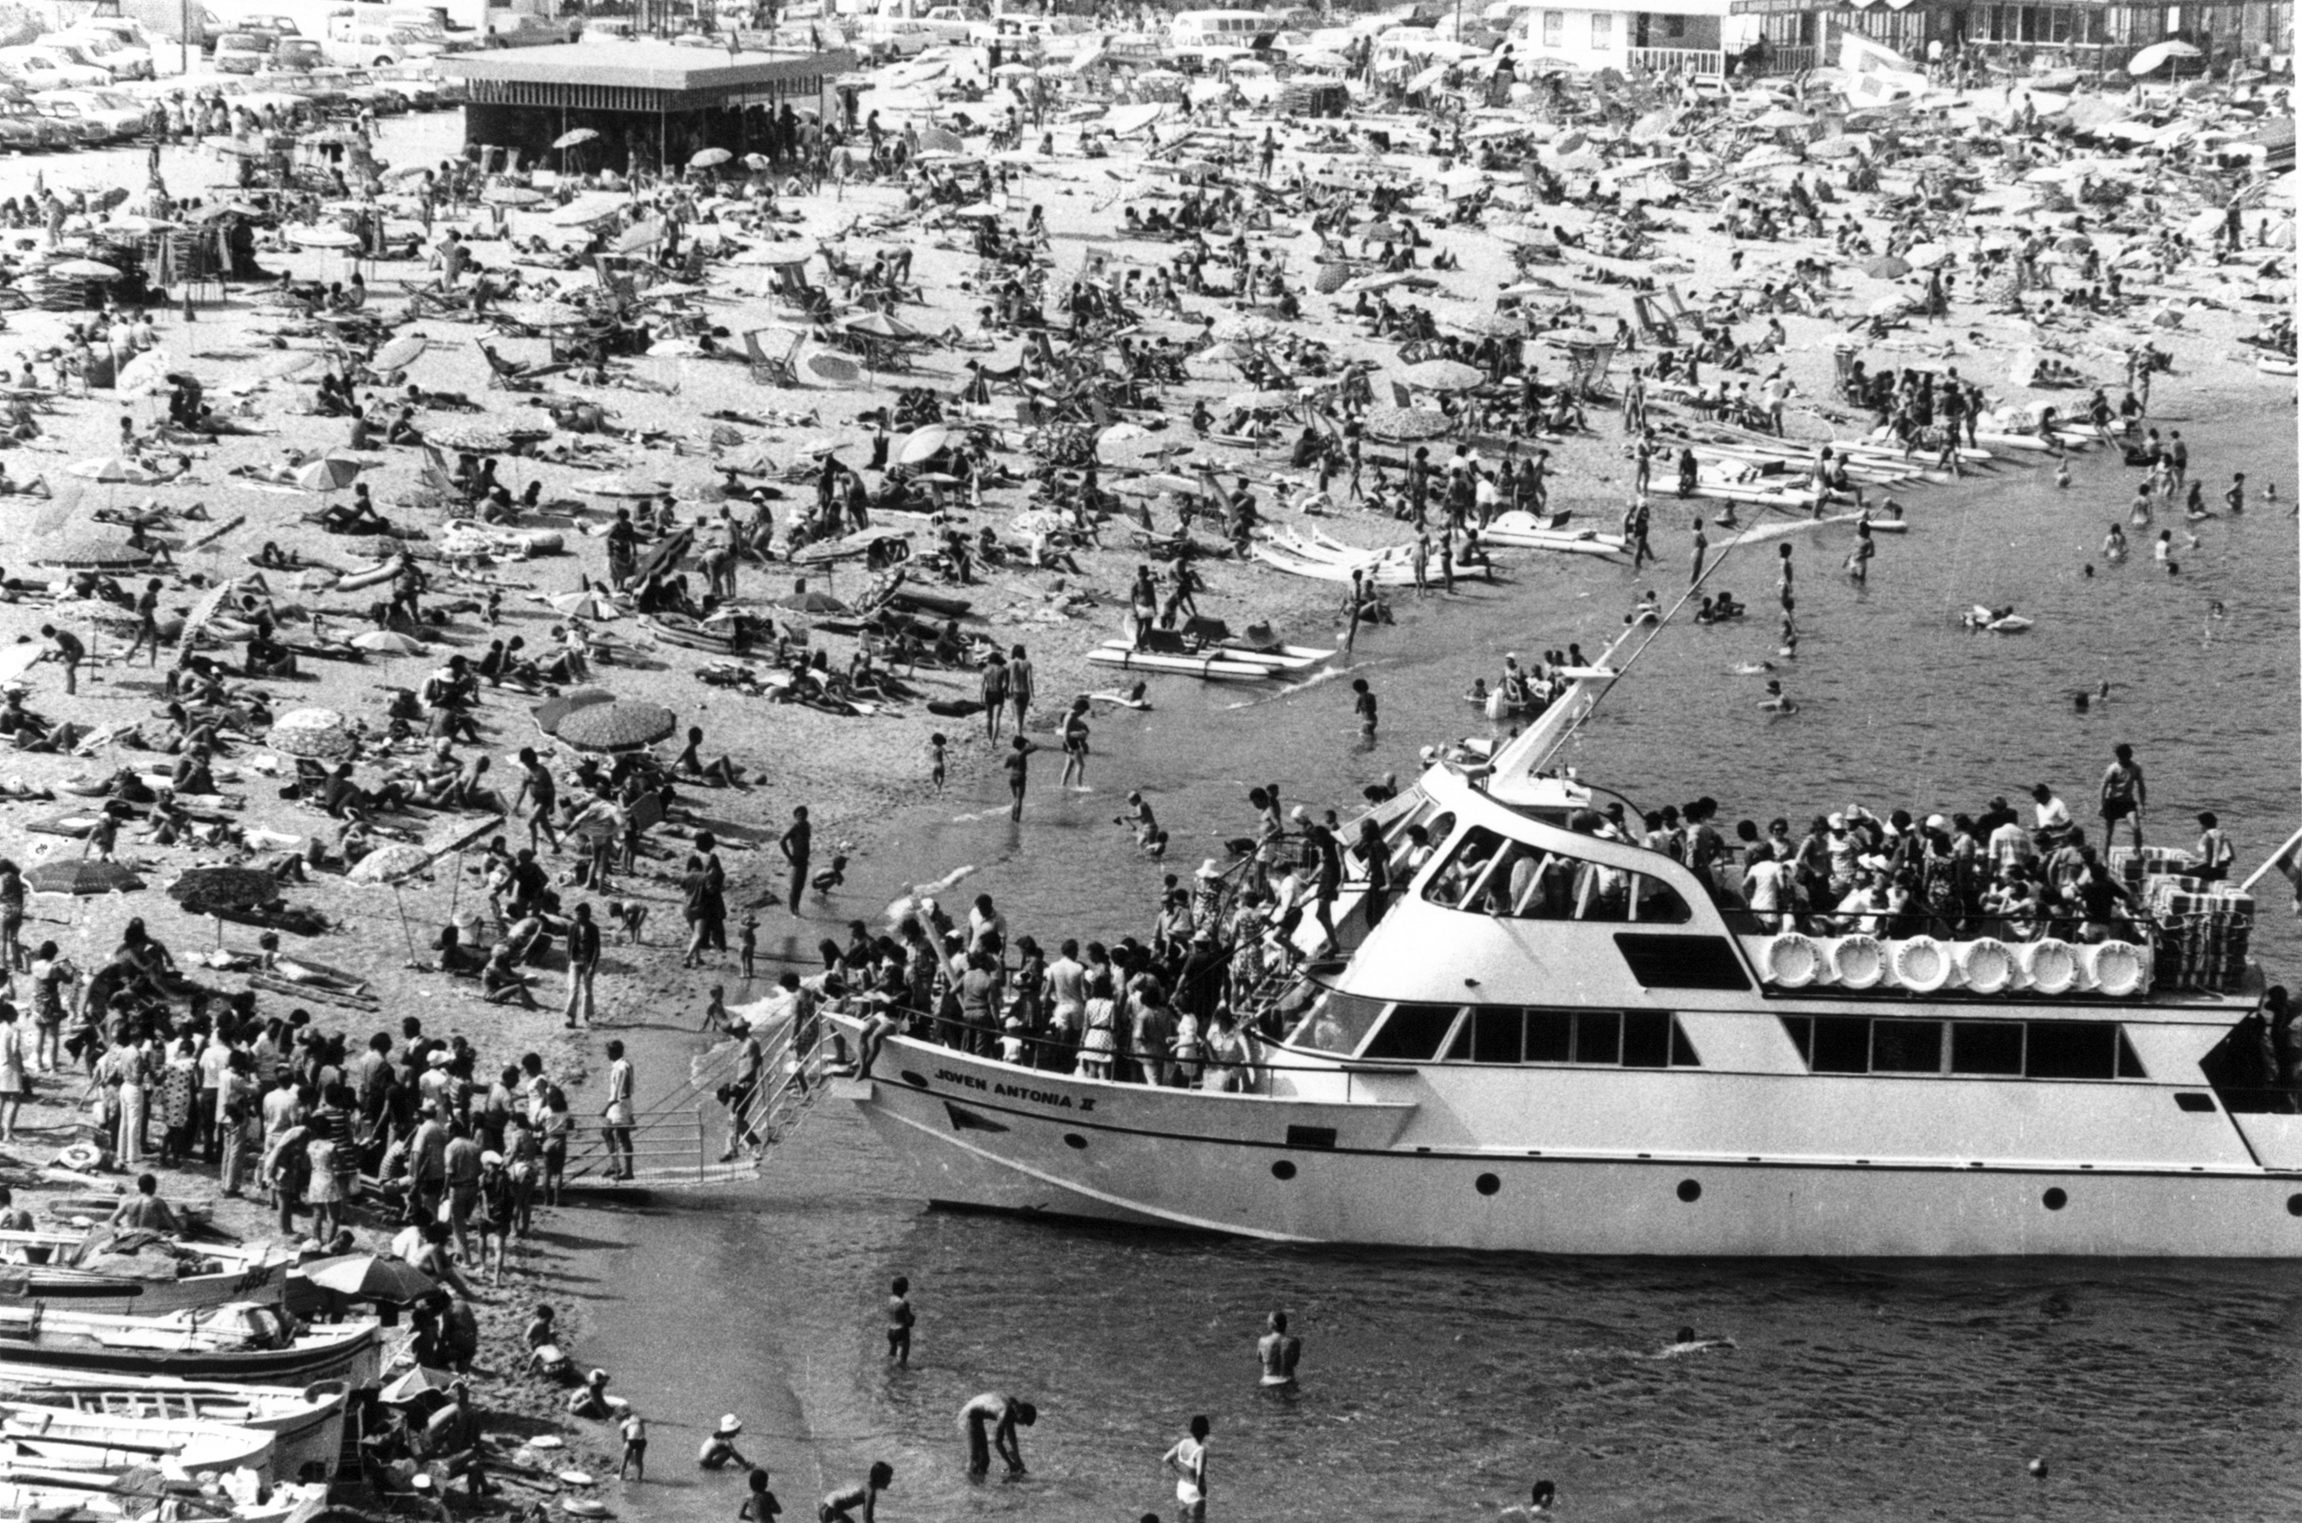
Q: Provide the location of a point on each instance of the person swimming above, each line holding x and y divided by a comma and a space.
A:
2114, 547
1688, 1343
1776, 701
1538, 1502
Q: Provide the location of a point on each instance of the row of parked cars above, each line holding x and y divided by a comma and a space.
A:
93, 111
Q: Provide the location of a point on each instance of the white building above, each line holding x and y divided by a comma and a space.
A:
1657, 36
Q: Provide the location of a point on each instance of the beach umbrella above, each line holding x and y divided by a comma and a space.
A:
390, 864
585, 603
316, 734
708, 158
330, 473
1653, 127
205, 890
664, 554
941, 140
549, 713
1245, 325
400, 353
323, 238
513, 195
471, 438
922, 445
1407, 422
388, 642
2158, 55
1886, 267
1780, 119
757, 161
774, 256
415, 1385
1443, 375
879, 325
393, 862
645, 233
279, 367
112, 468
1925, 256
373, 1277
596, 206
545, 314
95, 550
94, 611
84, 269
144, 375
626, 724
202, 611
218, 891
575, 139
810, 601
82, 878
1272, 400
626, 486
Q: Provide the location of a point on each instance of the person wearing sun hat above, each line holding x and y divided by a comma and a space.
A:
718, 1450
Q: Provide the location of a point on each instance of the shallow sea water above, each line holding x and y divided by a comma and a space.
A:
1448, 1383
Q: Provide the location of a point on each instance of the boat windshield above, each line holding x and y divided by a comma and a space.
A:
1488, 873
1338, 1023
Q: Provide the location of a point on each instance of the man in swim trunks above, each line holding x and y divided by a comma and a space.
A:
1277, 1351
989, 1423
2123, 794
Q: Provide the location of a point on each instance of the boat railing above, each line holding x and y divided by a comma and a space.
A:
672, 1142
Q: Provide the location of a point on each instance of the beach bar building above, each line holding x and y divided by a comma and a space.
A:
649, 102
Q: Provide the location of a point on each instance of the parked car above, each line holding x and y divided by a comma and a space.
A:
35, 68
298, 54
120, 42
24, 129
278, 28
102, 116
98, 51
242, 52
519, 29
891, 37
948, 23
365, 90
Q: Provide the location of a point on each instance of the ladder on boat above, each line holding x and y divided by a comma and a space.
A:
691, 1137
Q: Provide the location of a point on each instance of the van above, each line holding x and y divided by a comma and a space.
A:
241, 52
37, 68
113, 43
354, 41
1207, 36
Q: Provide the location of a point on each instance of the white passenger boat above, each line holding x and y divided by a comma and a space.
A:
306, 1425
1556, 1043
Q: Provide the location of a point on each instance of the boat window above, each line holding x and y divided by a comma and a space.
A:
1906, 1047
1338, 1023
1490, 874
1986, 1047
1646, 1039
1600, 1038
2073, 1050
1834, 1044
1413, 1032
1841, 1045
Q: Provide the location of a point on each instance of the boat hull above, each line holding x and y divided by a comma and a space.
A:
985, 1135
125, 1295
306, 1428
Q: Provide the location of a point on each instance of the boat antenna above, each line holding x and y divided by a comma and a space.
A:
1693, 587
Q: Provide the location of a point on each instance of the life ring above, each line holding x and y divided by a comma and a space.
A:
81, 1157
1858, 960
2118, 968
2049, 966
1794, 960
1985, 965
1921, 964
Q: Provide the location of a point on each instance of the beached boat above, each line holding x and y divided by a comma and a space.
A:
36, 1492
1211, 662
1556, 1043
239, 1342
60, 1438
1523, 531
306, 1425
101, 1271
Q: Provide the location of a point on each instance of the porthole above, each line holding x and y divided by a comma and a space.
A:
1074, 1140
2294, 1205
1282, 1170
2054, 1199
916, 1081
1487, 1184
1690, 1191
